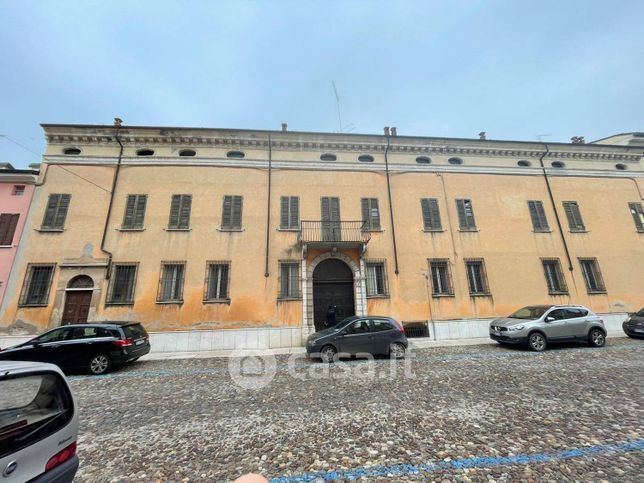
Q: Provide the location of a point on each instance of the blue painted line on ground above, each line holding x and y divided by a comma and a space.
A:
398, 470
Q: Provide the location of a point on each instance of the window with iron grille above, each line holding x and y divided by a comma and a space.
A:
8, 224
180, 212
441, 277
466, 219
56, 212
538, 216
376, 278
289, 280
638, 215
575, 222
290, 213
431, 214
134, 215
122, 283
370, 214
231, 217
35, 289
592, 275
18, 190
476, 276
217, 281
554, 276
171, 282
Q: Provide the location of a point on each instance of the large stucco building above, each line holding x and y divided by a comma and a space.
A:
248, 236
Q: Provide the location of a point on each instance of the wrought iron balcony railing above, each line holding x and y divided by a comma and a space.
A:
333, 232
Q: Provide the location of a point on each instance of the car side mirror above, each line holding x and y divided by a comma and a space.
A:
549, 319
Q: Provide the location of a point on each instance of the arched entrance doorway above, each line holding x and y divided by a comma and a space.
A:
332, 285
78, 297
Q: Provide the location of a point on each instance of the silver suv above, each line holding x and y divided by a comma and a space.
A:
539, 325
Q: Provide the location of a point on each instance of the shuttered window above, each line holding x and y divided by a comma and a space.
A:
575, 222
431, 214
37, 284
8, 224
171, 282
180, 212
638, 215
122, 283
370, 214
466, 219
441, 277
289, 280
476, 276
56, 212
554, 276
217, 281
538, 216
231, 217
134, 215
330, 207
592, 275
376, 278
290, 213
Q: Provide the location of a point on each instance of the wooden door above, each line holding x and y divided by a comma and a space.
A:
77, 306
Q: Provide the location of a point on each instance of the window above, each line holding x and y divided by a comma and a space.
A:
328, 157
558, 314
71, 151
524, 163
476, 276
592, 275
638, 216
365, 158
236, 154
621, 167
56, 212
171, 283
358, 327
455, 161
289, 213
217, 277
145, 152
558, 164
180, 212
88, 333
575, 222
122, 283
431, 214
423, 160
466, 219
231, 217
35, 290
289, 281
575, 313
187, 152
370, 214
441, 277
8, 224
380, 325
554, 276
376, 279
18, 190
538, 216
134, 212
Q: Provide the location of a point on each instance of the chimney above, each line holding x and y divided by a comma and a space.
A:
394, 131
386, 130
482, 136
284, 127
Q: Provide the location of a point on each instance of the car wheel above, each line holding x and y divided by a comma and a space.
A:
596, 338
99, 364
537, 342
396, 351
328, 354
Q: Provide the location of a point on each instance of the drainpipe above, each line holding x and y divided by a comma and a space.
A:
391, 209
268, 205
117, 136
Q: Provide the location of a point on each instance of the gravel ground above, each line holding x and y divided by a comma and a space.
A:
570, 414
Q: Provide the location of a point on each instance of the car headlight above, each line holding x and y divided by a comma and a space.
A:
515, 328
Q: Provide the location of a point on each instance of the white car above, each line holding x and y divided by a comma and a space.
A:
38, 424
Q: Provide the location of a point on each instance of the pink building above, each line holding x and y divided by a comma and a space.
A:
16, 190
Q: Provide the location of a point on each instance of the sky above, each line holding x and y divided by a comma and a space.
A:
516, 69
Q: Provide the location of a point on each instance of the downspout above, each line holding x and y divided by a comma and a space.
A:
268, 206
117, 136
391, 209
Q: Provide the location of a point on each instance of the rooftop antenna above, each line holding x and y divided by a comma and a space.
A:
337, 101
540, 136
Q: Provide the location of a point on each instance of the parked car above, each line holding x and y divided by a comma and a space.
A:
38, 424
92, 347
539, 325
634, 325
354, 335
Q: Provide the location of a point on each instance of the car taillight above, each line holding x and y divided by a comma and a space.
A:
122, 342
60, 457
400, 326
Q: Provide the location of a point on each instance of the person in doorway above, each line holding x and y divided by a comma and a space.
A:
330, 316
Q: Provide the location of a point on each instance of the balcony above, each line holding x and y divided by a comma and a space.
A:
333, 234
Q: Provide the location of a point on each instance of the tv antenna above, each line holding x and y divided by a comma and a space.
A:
540, 136
349, 127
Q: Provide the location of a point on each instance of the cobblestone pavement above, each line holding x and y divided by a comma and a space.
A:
476, 413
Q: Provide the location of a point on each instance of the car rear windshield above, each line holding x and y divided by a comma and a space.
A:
529, 312
134, 331
31, 408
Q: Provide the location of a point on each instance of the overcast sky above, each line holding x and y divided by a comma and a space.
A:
516, 69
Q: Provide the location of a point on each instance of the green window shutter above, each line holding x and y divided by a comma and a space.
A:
573, 215
50, 211
431, 214
295, 212
326, 209
226, 213
366, 219
284, 212
375, 214
61, 213
174, 211
334, 209
427, 218
128, 216
465, 214
638, 215
237, 211
184, 214
538, 216
139, 215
